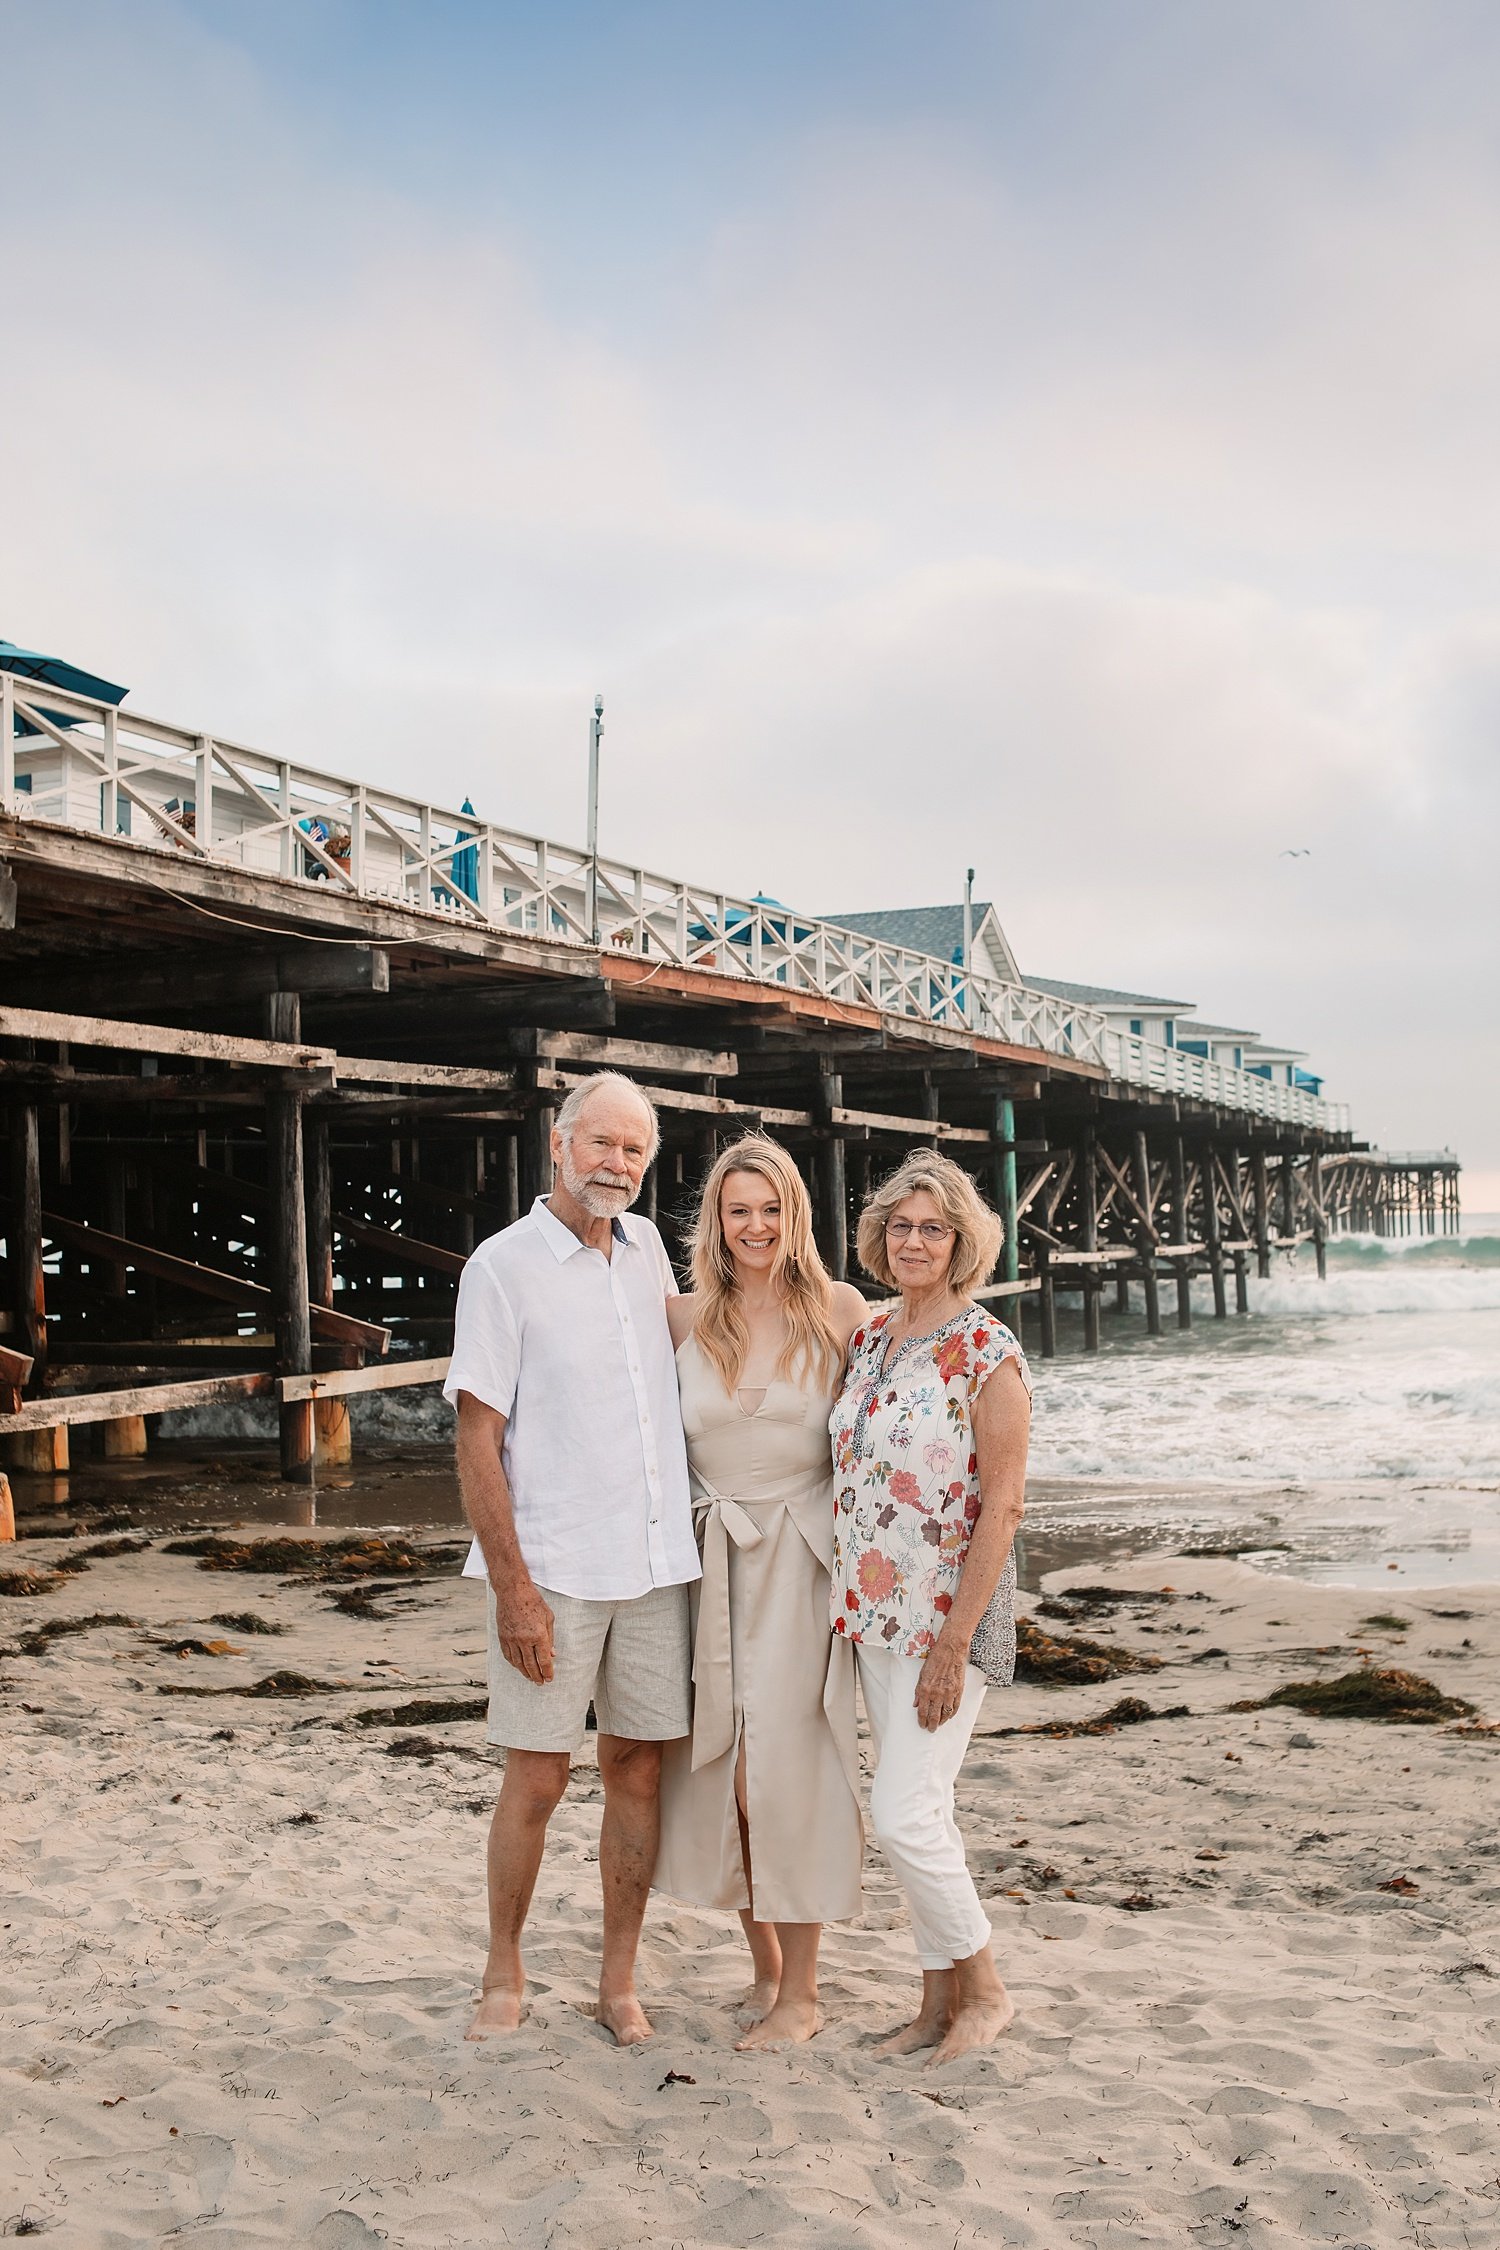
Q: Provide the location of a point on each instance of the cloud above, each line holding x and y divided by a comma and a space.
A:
1098, 489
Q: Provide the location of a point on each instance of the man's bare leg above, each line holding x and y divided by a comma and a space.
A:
628, 1837
534, 1782
981, 2007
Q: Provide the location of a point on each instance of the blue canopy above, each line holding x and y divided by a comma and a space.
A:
29, 664
465, 864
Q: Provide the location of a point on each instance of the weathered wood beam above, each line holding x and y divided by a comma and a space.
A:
291, 1308
160, 1039
913, 1128
401, 1249
350, 1382
68, 1409
204, 1281
621, 1054
23, 1236
182, 982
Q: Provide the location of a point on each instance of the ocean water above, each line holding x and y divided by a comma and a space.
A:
1338, 1429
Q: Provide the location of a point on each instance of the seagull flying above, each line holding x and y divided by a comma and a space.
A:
1296, 851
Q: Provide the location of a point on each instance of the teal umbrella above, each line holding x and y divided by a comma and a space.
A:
29, 664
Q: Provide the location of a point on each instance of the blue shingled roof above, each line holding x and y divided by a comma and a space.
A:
938, 930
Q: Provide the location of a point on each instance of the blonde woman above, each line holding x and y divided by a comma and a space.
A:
929, 1448
760, 1806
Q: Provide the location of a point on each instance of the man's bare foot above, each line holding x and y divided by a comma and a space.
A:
976, 2023
756, 2004
500, 2010
922, 2031
787, 2024
626, 2018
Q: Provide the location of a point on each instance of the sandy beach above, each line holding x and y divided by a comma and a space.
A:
242, 1931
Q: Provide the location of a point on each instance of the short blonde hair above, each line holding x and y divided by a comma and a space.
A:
978, 1230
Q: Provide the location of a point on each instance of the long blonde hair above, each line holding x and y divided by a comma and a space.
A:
798, 1275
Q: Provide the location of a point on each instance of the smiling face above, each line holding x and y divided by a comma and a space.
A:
750, 1216
918, 1260
604, 1159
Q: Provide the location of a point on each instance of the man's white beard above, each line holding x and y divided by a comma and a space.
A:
599, 1198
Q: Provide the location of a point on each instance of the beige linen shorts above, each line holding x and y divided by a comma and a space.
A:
631, 1660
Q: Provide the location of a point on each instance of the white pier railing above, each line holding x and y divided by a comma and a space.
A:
197, 796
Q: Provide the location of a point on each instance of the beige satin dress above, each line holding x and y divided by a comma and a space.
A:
766, 1668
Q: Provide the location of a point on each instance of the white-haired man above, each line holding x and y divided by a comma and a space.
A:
574, 1474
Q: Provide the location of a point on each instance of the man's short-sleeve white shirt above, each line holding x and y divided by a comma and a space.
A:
573, 1349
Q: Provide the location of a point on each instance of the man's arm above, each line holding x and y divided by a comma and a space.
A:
522, 1618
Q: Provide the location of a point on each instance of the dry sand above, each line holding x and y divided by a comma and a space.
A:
240, 1941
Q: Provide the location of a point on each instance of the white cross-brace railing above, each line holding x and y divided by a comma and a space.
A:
91, 766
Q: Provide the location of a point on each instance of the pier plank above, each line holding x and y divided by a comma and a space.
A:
160, 1039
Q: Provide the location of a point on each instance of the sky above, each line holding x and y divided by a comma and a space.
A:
1058, 438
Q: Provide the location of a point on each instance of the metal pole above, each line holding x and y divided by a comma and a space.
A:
596, 728
968, 942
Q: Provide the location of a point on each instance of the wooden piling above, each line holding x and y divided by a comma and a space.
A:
1003, 1171
289, 1275
1319, 1217
7, 1512
28, 1294
1211, 1234
124, 1438
1147, 1236
1180, 1236
1089, 1199
535, 1150
1047, 1305
1262, 1216
833, 1198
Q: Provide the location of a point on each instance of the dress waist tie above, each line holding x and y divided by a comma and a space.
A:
718, 1520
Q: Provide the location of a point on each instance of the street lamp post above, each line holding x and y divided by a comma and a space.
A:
596, 728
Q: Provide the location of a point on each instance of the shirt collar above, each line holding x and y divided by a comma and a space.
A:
561, 1240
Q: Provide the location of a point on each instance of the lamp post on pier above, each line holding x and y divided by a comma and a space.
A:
596, 728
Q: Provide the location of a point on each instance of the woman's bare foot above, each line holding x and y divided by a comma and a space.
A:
793, 2019
923, 2031
500, 2009
623, 2014
756, 2004
976, 2023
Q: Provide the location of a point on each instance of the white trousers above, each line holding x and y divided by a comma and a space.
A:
911, 1804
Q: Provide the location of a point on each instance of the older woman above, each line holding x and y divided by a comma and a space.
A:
929, 1445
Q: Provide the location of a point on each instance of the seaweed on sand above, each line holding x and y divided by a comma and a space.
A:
421, 1714
56, 1628
1399, 1698
362, 1556
274, 1684
244, 1621
101, 1552
1072, 1663
26, 1582
1072, 1602
1130, 1711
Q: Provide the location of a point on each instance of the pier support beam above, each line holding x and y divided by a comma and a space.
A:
535, 1150
1262, 1216
1047, 1305
833, 1194
289, 1247
1089, 1200
1319, 1218
1147, 1236
1241, 1268
1180, 1232
1211, 1234
125, 1438
1003, 1129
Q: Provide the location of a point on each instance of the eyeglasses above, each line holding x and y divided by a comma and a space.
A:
929, 1229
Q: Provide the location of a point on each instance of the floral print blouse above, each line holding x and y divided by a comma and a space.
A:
907, 1486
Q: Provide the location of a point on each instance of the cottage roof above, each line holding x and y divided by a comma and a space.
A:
938, 930
1105, 996
1189, 1027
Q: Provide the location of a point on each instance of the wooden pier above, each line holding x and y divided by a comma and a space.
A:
275, 1059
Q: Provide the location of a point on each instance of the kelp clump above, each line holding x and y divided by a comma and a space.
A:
361, 1556
1045, 1662
1398, 1698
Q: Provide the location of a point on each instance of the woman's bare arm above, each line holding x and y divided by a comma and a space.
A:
681, 1314
1002, 1428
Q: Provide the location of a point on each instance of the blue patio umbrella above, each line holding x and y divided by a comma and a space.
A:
29, 664
464, 865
